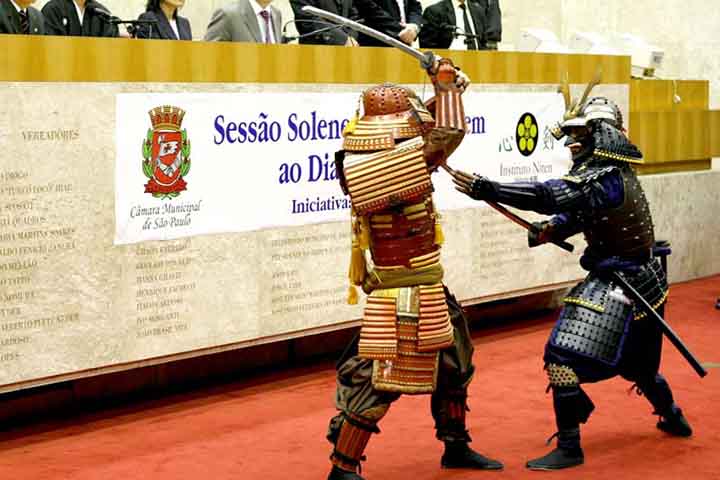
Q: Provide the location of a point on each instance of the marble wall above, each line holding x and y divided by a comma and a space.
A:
687, 29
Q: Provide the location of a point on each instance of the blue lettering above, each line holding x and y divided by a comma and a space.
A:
219, 128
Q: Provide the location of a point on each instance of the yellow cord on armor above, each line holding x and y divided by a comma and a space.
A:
358, 268
439, 234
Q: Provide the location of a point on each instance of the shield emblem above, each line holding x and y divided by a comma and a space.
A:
166, 156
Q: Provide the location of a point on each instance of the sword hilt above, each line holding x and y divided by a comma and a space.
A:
428, 60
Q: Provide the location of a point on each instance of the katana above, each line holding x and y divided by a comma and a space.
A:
427, 59
666, 329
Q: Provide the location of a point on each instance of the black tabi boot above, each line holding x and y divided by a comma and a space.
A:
567, 453
675, 423
339, 474
672, 420
572, 407
460, 455
448, 409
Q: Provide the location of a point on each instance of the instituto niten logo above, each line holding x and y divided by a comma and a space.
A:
526, 134
166, 153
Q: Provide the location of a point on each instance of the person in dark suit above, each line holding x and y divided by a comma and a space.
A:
18, 17
246, 21
306, 23
80, 18
479, 19
168, 24
387, 17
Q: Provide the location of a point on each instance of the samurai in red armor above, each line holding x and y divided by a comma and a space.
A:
414, 337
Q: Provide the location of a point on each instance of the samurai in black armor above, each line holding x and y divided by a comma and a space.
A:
601, 332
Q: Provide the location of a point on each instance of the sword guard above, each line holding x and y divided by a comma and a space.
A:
428, 60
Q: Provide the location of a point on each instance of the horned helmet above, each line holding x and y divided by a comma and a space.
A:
580, 112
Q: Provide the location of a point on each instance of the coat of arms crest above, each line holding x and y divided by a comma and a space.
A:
166, 153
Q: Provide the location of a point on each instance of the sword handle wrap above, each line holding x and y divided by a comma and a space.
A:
428, 61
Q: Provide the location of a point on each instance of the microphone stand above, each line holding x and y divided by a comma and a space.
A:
133, 25
468, 37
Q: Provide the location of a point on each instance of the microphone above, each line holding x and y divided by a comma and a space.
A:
447, 27
326, 28
132, 25
100, 11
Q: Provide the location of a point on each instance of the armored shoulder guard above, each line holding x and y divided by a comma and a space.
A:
612, 144
587, 174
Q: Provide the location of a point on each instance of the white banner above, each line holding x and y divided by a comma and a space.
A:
236, 162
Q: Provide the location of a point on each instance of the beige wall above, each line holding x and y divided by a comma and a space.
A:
686, 29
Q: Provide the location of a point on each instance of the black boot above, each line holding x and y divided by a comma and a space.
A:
460, 455
717, 304
572, 407
675, 423
339, 474
448, 409
672, 420
567, 453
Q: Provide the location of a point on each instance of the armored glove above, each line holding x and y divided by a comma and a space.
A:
474, 186
482, 188
540, 233
445, 75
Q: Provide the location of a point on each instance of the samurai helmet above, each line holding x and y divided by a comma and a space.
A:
391, 113
579, 112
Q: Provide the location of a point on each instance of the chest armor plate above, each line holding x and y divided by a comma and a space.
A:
626, 231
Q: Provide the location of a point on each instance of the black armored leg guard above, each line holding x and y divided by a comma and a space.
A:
572, 407
658, 393
449, 413
350, 444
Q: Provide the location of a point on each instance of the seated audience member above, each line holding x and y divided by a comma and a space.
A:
307, 23
462, 25
80, 18
168, 24
18, 17
387, 17
246, 21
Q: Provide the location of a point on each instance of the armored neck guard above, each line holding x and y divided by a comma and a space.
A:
612, 144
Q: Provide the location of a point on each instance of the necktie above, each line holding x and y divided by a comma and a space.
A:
24, 22
469, 41
266, 16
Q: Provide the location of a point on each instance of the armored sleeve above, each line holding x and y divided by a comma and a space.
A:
449, 112
565, 225
596, 189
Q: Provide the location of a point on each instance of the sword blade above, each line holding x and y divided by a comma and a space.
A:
426, 58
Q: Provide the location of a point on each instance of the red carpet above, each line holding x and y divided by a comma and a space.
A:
274, 427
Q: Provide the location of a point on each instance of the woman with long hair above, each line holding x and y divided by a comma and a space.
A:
168, 25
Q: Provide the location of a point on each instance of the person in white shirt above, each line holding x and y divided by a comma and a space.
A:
246, 21
462, 25
168, 25
398, 18
86, 18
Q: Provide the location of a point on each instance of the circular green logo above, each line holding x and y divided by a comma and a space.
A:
526, 134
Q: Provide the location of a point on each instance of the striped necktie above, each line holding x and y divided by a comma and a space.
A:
469, 41
266, 16
24, 22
